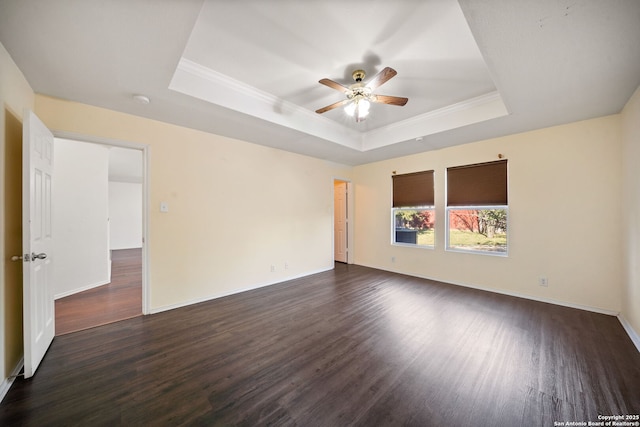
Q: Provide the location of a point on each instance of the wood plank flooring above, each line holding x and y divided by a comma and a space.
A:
351, 346
120, 299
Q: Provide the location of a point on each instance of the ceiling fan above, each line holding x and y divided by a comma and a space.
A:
360, 95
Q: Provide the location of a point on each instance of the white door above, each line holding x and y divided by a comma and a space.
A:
340, 221
37, 241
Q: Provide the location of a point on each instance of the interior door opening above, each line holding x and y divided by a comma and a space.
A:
103, 215
341, 221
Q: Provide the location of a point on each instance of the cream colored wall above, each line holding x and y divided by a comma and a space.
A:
15, 96
631, 143
564, 216
235, 208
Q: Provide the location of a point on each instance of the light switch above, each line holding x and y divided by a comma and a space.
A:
164, 207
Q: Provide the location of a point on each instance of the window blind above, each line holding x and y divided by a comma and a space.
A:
413, 189
479, 184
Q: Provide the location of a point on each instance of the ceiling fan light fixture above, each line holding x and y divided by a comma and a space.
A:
359, 96
362, 110
358, 108
350, 108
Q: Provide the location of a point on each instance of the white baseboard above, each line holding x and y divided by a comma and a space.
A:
224, 294
510, 293
540, 299
6, 384
635, 338
82, 289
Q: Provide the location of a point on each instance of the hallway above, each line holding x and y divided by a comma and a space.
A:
121, 299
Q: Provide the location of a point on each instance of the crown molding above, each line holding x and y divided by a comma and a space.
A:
201, 82
209, 85
474, 110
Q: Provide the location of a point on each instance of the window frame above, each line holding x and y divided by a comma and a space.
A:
473, 202
414, 191
448, 247
430, 208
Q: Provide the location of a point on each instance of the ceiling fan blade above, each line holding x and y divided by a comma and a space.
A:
332, 106
380, 78
391, 100
334, 85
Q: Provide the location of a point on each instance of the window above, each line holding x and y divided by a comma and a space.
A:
477, 208
412, 213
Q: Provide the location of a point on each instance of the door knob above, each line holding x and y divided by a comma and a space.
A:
16, 258
38, 256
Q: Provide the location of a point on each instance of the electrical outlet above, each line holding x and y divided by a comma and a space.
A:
273, 268
286, 265
543, 281
393, 259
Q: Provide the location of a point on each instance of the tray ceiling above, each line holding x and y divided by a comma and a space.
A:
249, 70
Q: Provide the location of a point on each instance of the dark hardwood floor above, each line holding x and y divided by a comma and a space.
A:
352, 346
120, 299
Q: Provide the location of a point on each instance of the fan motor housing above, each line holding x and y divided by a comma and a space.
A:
358, 75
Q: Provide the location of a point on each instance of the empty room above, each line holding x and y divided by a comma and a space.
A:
418, 212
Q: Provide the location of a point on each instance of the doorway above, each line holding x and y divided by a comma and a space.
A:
341, 226
103, 251
117, 300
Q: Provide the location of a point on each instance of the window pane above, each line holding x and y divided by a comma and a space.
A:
478, 229
414, 226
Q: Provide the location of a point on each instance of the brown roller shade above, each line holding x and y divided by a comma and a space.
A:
479, 184
413, 189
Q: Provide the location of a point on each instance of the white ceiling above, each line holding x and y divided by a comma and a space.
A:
250, 69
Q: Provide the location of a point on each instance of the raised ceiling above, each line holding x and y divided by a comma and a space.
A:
250, 69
